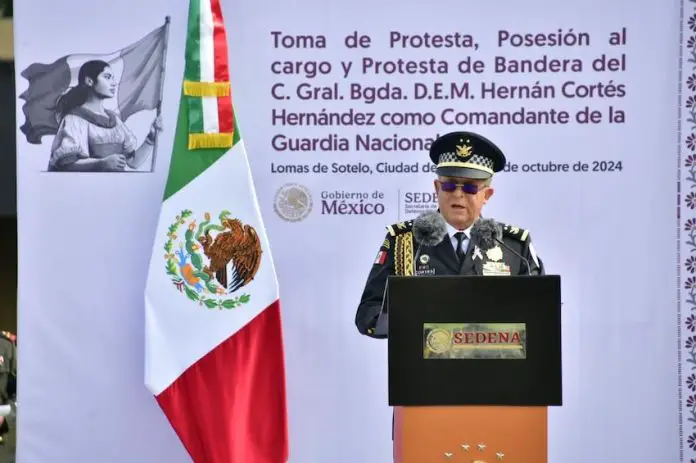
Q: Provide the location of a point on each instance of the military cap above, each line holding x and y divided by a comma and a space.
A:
466, 154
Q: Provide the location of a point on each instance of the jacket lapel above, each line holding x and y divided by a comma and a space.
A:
445, 254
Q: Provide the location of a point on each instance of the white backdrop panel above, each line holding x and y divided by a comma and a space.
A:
85, 238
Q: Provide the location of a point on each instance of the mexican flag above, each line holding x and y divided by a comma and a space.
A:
214, 348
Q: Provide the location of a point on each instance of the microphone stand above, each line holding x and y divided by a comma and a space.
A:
526, 262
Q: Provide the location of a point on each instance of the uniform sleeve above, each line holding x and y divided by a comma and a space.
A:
535, 262
71, 141
373, 294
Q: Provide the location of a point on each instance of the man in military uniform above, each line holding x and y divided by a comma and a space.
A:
465, 164
8, 390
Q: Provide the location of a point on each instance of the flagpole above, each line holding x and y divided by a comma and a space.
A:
161, 89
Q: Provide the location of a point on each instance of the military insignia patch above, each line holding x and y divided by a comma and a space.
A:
209, 262
516, 232
495, 253
381, 257
464, 150
400, 228
495, 269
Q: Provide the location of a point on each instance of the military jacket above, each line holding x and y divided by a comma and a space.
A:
8, 376
8, 368
401, 255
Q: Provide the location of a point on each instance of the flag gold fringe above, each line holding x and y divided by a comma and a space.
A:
210, 140
192, 88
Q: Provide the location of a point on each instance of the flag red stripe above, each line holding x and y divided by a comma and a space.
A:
230, 406
222, 68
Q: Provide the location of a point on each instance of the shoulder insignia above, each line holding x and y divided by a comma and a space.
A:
400, 228
519, 234
9, 336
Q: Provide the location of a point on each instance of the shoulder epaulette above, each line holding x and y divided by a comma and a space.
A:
400, 228
9, 336
517, 233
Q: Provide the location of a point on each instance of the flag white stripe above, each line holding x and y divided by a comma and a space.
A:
210, 106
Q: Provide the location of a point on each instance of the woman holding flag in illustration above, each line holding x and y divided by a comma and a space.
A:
91, 138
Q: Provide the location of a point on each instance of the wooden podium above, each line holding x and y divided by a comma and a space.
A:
474, 362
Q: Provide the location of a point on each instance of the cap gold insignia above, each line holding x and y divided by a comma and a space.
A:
494, 254
464, 151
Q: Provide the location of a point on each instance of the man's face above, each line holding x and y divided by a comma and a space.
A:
460, 208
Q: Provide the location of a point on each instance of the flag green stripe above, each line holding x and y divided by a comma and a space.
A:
187, 164
195, 113
192, 69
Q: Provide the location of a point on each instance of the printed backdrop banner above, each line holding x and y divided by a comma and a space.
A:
593, 103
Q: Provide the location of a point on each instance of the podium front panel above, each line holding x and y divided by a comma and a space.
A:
474, 340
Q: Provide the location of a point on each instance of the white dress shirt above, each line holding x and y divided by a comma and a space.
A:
453, 239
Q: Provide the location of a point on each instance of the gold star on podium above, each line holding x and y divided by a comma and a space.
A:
481, 447
500, 455
448, 454
466, 447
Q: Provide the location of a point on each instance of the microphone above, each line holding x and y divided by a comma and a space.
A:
488, 232
429, 229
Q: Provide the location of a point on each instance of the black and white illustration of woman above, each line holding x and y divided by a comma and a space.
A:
91, 138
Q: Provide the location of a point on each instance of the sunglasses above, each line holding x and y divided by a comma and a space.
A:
468, 188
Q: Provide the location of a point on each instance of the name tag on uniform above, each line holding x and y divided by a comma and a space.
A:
496, 269
425, 271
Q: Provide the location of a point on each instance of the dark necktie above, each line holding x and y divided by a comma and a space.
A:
460, 238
